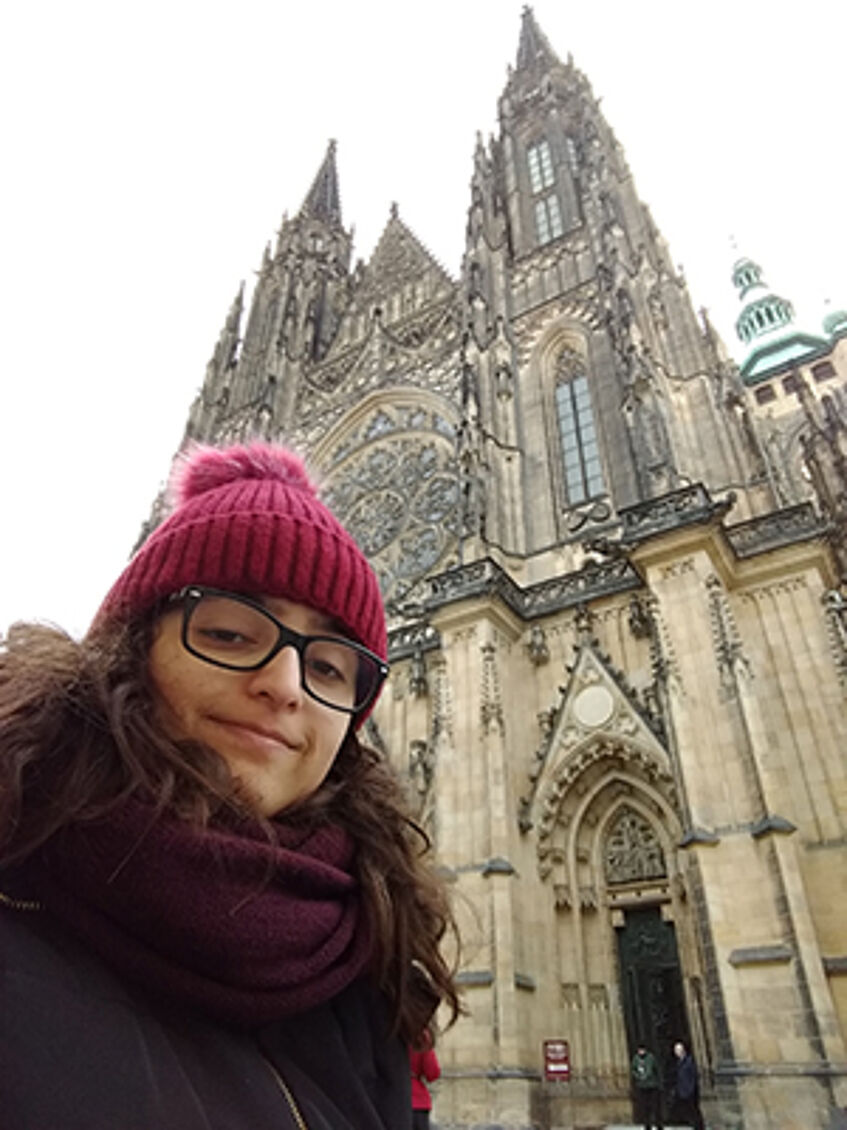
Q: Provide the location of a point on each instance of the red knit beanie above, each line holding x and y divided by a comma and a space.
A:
247, 518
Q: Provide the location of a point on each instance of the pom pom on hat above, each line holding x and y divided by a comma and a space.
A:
247, 519
203, 468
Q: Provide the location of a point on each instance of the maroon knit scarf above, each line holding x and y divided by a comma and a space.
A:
222, 920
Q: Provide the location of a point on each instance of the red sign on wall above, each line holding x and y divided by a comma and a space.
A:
557, 1060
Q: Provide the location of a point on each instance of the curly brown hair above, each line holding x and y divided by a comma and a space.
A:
79, 735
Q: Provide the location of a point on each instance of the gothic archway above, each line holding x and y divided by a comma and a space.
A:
650, 973
608, 825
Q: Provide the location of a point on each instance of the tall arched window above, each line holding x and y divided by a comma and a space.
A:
577, 433
542, 182
540, 166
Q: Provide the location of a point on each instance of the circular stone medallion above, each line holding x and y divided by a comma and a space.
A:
593, 706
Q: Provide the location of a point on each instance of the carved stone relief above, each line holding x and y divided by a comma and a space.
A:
632, 850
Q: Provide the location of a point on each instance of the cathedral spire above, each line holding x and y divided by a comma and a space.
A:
533, 43
233, 318
323, 201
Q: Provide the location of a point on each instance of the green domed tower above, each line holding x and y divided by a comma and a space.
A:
766, 326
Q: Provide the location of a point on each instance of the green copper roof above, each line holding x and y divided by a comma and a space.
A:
835, 323
780, 352
766, 326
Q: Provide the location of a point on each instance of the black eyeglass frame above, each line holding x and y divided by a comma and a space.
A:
190, 597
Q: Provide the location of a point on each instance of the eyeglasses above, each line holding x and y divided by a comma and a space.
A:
237, 633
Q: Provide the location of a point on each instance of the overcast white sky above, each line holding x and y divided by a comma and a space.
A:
149, 151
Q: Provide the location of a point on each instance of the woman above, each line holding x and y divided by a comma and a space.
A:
213, 910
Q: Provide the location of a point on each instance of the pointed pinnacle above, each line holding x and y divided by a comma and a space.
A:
322, 200
533, 43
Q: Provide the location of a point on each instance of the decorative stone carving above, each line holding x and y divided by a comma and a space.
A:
824, 447
677, 569
595, 512
639, 619
485, 577
491, 703
418, 683
658, 310
570, 994
726, 640
598, 700
689, 505
442, 701
569, 365
780, 527
408, 639
587, 897
632, 851
835, 606
502, 361
537, 649
421, 766
583, 620
625, 723
546, 724
562, 896
469, 452
545, 721
573, 778
598, 996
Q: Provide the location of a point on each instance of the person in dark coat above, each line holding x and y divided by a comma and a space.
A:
215, 913
424, 1068
648, 1090
687, 1088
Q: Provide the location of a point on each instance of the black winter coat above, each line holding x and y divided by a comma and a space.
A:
80, 1049
686, 1078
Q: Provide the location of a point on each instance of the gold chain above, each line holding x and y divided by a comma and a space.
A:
299, 1120
19, 904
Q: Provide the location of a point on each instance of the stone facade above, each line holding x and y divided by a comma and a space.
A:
619, 645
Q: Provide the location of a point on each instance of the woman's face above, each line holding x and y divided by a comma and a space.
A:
278, 741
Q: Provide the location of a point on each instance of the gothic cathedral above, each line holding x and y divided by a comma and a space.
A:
615, 579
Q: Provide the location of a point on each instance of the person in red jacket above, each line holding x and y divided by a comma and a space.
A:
425, 1069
